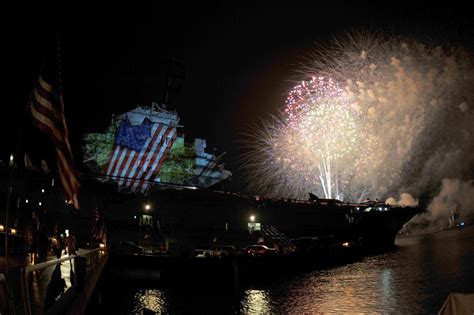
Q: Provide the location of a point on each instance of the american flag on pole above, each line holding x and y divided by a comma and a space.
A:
47, 112
139, 153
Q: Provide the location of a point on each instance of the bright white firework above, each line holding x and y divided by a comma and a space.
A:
304, 149
302, 97
409, 111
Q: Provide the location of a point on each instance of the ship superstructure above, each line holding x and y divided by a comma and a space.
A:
142, 148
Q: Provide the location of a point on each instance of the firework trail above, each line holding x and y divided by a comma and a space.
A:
307, 145
379, 116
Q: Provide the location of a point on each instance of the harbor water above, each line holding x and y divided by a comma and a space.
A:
414, 278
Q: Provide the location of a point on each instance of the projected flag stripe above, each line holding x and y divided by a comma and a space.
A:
137, 163
151, 175
156, 151
131, 161
132, 167
149, 145
152, 164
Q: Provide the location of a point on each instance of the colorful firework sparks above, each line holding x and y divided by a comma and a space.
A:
318, 131
302, 96
378, 117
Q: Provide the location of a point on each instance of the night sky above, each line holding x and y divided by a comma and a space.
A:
240, 58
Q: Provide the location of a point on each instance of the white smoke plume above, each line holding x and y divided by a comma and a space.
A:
456, 196
454, 201
413, 104
405, 200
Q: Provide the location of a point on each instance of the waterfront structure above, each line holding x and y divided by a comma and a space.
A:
143, 147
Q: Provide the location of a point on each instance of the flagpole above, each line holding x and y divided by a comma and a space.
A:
74, 187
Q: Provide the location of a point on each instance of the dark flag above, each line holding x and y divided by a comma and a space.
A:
47, 112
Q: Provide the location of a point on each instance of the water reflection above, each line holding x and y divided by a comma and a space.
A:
386, 285
149, 299
256, 302
415, 278
359, 287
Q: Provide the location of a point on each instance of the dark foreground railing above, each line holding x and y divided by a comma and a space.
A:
61, 286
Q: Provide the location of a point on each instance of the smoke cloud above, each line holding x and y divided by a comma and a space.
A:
412, 106
453, 204
405, 200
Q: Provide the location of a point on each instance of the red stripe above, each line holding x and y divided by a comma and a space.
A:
124, 168
139, 172
163, 158
106, 167
115, 167
124, 161
130, 168
49, 128
48, 113
66, 165
63, 175
115, 160
54, 93
54, 124
155, 155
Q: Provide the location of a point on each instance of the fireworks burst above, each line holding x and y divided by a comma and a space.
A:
378, 115
305, 147
301, 98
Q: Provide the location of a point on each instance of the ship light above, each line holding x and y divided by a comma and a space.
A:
39, 203
13, 231
2, 228
147, 207
42, 191
345, 244
102, 246
252, 218
26, 200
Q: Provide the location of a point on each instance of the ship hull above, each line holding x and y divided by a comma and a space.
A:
189, 219
179, 221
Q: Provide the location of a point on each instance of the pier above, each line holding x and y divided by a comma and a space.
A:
56, 286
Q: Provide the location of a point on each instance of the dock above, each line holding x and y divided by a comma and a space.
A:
56, 286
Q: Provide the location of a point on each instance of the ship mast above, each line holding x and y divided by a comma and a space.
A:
176, 71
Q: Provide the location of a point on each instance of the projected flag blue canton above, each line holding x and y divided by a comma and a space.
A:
133, 137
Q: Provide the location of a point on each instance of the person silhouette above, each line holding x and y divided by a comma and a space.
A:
55, 288
71, 245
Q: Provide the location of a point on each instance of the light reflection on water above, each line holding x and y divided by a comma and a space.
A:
359, 287
415, 278
256, 302
154, 300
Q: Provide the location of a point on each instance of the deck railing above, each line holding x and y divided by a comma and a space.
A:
45, 289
